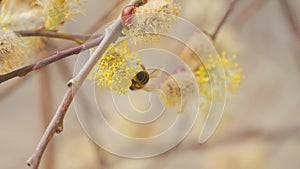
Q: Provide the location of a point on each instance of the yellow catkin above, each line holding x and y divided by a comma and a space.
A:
117, 67
209, 68
23, 17
57, 11
20, 15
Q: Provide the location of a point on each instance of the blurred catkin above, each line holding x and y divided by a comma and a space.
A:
12, 51
209, 68
57, 11
22, 49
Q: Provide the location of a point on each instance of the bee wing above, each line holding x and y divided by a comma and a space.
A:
149, 88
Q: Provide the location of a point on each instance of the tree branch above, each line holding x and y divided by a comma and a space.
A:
55, 126
291, 18
80, 39
46, 103
51, 59
66, 73
225, 17
74, 84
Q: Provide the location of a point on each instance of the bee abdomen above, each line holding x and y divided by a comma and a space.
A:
142, 77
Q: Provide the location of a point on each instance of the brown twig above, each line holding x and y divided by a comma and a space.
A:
67, 74
290, 15
74, 84
80, 39
46, 104
51, 59
55, 126
225, 17
291, 18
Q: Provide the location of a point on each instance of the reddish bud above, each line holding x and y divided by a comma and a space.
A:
127, 12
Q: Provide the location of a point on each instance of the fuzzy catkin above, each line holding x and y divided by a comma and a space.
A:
152, 19
12, 51
116, 68
180, 89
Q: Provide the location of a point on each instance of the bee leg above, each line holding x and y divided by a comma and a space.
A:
181, 108
156, 73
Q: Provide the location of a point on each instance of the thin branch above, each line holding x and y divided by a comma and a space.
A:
51, 59
55, 126
74, 84
111, 34
66, 73
80, 39
225, 17
291, 18
46, 104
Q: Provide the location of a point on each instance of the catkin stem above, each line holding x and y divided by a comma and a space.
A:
80, 39
225, 17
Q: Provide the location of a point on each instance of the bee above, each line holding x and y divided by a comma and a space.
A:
141, 79
179, 89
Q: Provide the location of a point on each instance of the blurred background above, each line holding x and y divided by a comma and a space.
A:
261, 125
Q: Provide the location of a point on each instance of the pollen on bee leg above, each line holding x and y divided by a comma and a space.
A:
180, 109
